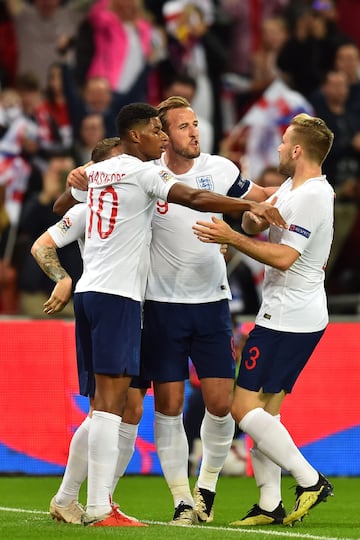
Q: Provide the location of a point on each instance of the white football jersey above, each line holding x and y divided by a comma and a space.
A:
121, 197
70, 228
183, 269
295, 300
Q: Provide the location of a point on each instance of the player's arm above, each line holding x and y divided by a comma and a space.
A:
207, 201
45, 254
279, 256
259, 193
252, 224
76, 178
64, 203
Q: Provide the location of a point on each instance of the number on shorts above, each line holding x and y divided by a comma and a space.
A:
250, 363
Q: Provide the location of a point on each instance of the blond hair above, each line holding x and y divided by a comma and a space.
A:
313, 135
103, 148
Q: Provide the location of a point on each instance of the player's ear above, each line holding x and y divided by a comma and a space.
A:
133, 135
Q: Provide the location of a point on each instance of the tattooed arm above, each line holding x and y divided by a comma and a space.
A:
45, 254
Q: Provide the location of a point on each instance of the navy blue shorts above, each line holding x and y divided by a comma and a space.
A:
272, 360
173, 333
87, 382
108, 334
140, 382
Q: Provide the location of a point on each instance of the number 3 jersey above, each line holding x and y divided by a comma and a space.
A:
121, 197
183, 269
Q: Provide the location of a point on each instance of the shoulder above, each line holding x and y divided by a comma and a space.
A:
217, 162
162, 173
318, 186
78, 211
105, 165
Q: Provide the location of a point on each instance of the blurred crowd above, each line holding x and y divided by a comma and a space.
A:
67, 67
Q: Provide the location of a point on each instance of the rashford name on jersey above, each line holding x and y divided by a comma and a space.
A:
102, 178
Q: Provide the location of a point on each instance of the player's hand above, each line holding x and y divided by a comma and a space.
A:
60, 296
223, 249
217, 232
77, 178
267, 211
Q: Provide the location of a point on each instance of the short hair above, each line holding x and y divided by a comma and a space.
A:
132, 115
172, 102
313, 135
103, 148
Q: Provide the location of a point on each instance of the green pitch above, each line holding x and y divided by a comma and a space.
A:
24, 503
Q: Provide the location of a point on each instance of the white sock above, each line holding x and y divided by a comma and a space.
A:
268, 478
273, 440
173, 451
217, 435
76, 467
127, 438
103, 455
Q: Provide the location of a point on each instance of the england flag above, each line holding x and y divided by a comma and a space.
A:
265, 123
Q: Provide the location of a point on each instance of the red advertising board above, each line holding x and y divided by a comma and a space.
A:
41, 407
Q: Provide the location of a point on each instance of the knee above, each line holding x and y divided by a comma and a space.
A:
218, 409
169, 407
169, 400
133, 414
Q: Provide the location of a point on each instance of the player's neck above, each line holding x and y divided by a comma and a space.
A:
304, 173
176, 163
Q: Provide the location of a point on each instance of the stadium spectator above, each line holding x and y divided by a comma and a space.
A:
42, 27
342, 165
347, 59
42, 137
56, 107
263, 66
92, 130
122, 48
19, 147
332, 104
310, 50
254, 140
95, 96
195, 49
247, 18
